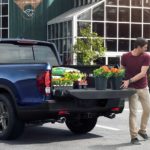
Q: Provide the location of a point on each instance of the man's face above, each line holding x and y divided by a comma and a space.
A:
143, 49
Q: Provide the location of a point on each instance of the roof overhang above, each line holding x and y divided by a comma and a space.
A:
73, 12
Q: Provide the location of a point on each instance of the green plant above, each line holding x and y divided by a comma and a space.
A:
74, 76
68, 78
90, 47
62, 82
103, 71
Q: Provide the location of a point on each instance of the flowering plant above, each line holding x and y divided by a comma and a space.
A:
103, 71
68, 78
117, 72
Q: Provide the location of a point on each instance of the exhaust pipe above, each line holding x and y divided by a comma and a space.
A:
111, 116
61, 120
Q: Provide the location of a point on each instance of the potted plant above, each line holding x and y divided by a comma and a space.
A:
88, 48
117, 76
78, 78
101, 76
68, 79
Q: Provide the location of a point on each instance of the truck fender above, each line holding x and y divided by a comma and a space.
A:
10, 90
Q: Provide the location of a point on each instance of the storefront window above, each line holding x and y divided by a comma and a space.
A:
112, 61
0, 9
132, 44
49, 32
98, 13
136, 15
56, 30
64, 46
136, 30
111, 2
146, 3
123, 45
5, 9
85, 16
4, 18
146, 30
124, 14
147, 15
64, 29
4, 22
123, 30
0, 22
111, 45
98, 28
100, 61
69, 31
111, 29
148, 49
111, 13
4, 1
61, 29
61, 46
124, 2
136, 2
4, 33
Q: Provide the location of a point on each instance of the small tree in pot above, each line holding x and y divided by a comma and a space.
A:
89, 47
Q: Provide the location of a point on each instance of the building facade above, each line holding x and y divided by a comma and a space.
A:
119, 22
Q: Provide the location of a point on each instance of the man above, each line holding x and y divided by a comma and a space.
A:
136, 64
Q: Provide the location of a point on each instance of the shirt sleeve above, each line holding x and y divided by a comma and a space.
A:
146, 61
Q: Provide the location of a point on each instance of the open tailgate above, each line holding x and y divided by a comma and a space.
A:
99, 94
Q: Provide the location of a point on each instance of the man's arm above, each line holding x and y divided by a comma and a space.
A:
137, 77
140, 75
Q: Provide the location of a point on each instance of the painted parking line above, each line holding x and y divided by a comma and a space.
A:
106, 127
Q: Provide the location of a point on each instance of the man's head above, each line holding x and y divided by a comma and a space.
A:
141, 45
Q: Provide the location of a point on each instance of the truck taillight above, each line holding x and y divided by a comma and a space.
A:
44, 82
115, 109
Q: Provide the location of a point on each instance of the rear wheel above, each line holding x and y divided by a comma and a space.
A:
81, 126
10, 126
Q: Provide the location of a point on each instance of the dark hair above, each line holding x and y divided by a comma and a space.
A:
140, 42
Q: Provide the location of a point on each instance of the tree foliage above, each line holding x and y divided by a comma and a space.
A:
90, 46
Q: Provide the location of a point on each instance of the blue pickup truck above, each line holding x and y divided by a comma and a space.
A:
26, 94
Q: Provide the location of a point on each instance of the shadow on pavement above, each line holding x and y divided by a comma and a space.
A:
40, 134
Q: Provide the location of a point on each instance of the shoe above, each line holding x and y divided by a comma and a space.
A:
143, 135
135, 141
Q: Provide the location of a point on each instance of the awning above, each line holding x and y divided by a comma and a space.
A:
73, 12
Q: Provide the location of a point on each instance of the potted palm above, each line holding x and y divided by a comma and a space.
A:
101, 76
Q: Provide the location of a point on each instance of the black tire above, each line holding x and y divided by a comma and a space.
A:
10, 126
81, 126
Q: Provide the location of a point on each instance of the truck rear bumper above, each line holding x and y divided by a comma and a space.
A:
77, 101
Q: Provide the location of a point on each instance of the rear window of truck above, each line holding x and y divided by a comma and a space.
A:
27, 53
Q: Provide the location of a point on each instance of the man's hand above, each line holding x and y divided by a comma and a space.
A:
125, 84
